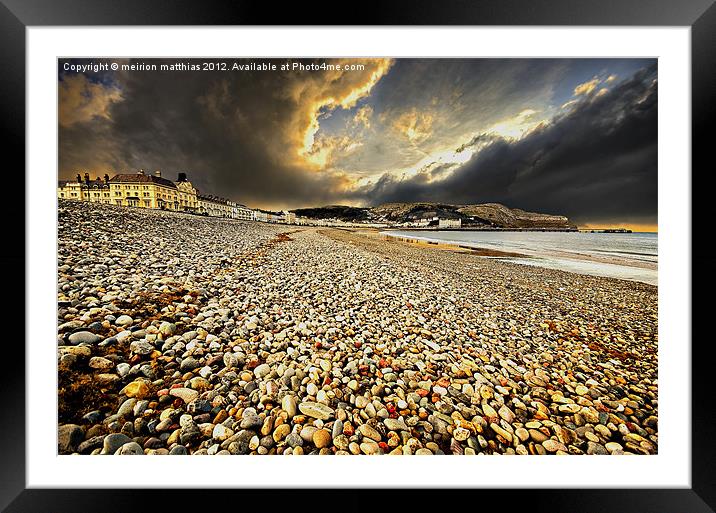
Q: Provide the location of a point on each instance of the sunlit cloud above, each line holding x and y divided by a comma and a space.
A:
586, 87
316, 94
414, 125
518, 125
363, 116
81, 100
325, 147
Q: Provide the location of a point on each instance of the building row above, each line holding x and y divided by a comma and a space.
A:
151, 191
155, 191
433, 222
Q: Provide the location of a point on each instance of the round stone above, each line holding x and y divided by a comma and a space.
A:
124, 320
321, 438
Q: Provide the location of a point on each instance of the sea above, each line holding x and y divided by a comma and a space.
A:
627, 256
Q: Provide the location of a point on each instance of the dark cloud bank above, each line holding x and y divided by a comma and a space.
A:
596, 162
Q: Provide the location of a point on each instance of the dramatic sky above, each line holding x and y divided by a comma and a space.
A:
576, 137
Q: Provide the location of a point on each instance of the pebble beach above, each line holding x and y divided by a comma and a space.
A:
181, 334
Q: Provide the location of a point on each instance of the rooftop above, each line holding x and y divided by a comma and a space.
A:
93, 184
139, 178
215, 199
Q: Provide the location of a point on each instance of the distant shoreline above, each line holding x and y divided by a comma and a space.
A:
477, 229
570, 260
497, 229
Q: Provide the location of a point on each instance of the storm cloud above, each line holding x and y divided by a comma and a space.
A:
595, 162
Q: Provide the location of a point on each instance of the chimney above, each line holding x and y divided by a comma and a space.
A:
106, 178
79, 178
157, 173
87, 178
182, 177
141, 171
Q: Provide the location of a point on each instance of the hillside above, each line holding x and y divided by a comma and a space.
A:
342, 212
504, 217
486, 215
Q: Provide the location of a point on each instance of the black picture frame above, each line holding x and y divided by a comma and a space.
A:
700, 15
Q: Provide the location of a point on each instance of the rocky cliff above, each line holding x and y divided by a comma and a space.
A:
504, 217
486, 215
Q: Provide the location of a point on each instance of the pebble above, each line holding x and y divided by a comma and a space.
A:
189, 364
613, 447
553, 445
316, 410
130, 449
461, 434
288, 403
262, 370
123, 320
69, 436
307, 433
362, 401
100, 363
221, 433
84, 337
522, 434
138, 389
595, 448
321, 438
141, 347
294, 440
185, 394
370, 448
114, 441
280, 432
369, 432
395, 424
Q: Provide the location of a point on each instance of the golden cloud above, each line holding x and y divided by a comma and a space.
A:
363, 116
317, 93
415, 125
324, 148
81, 100
586, 87
519, 125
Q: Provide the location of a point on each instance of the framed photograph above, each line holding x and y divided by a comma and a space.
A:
447, 231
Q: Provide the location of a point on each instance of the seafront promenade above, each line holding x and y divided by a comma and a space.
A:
182, 334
